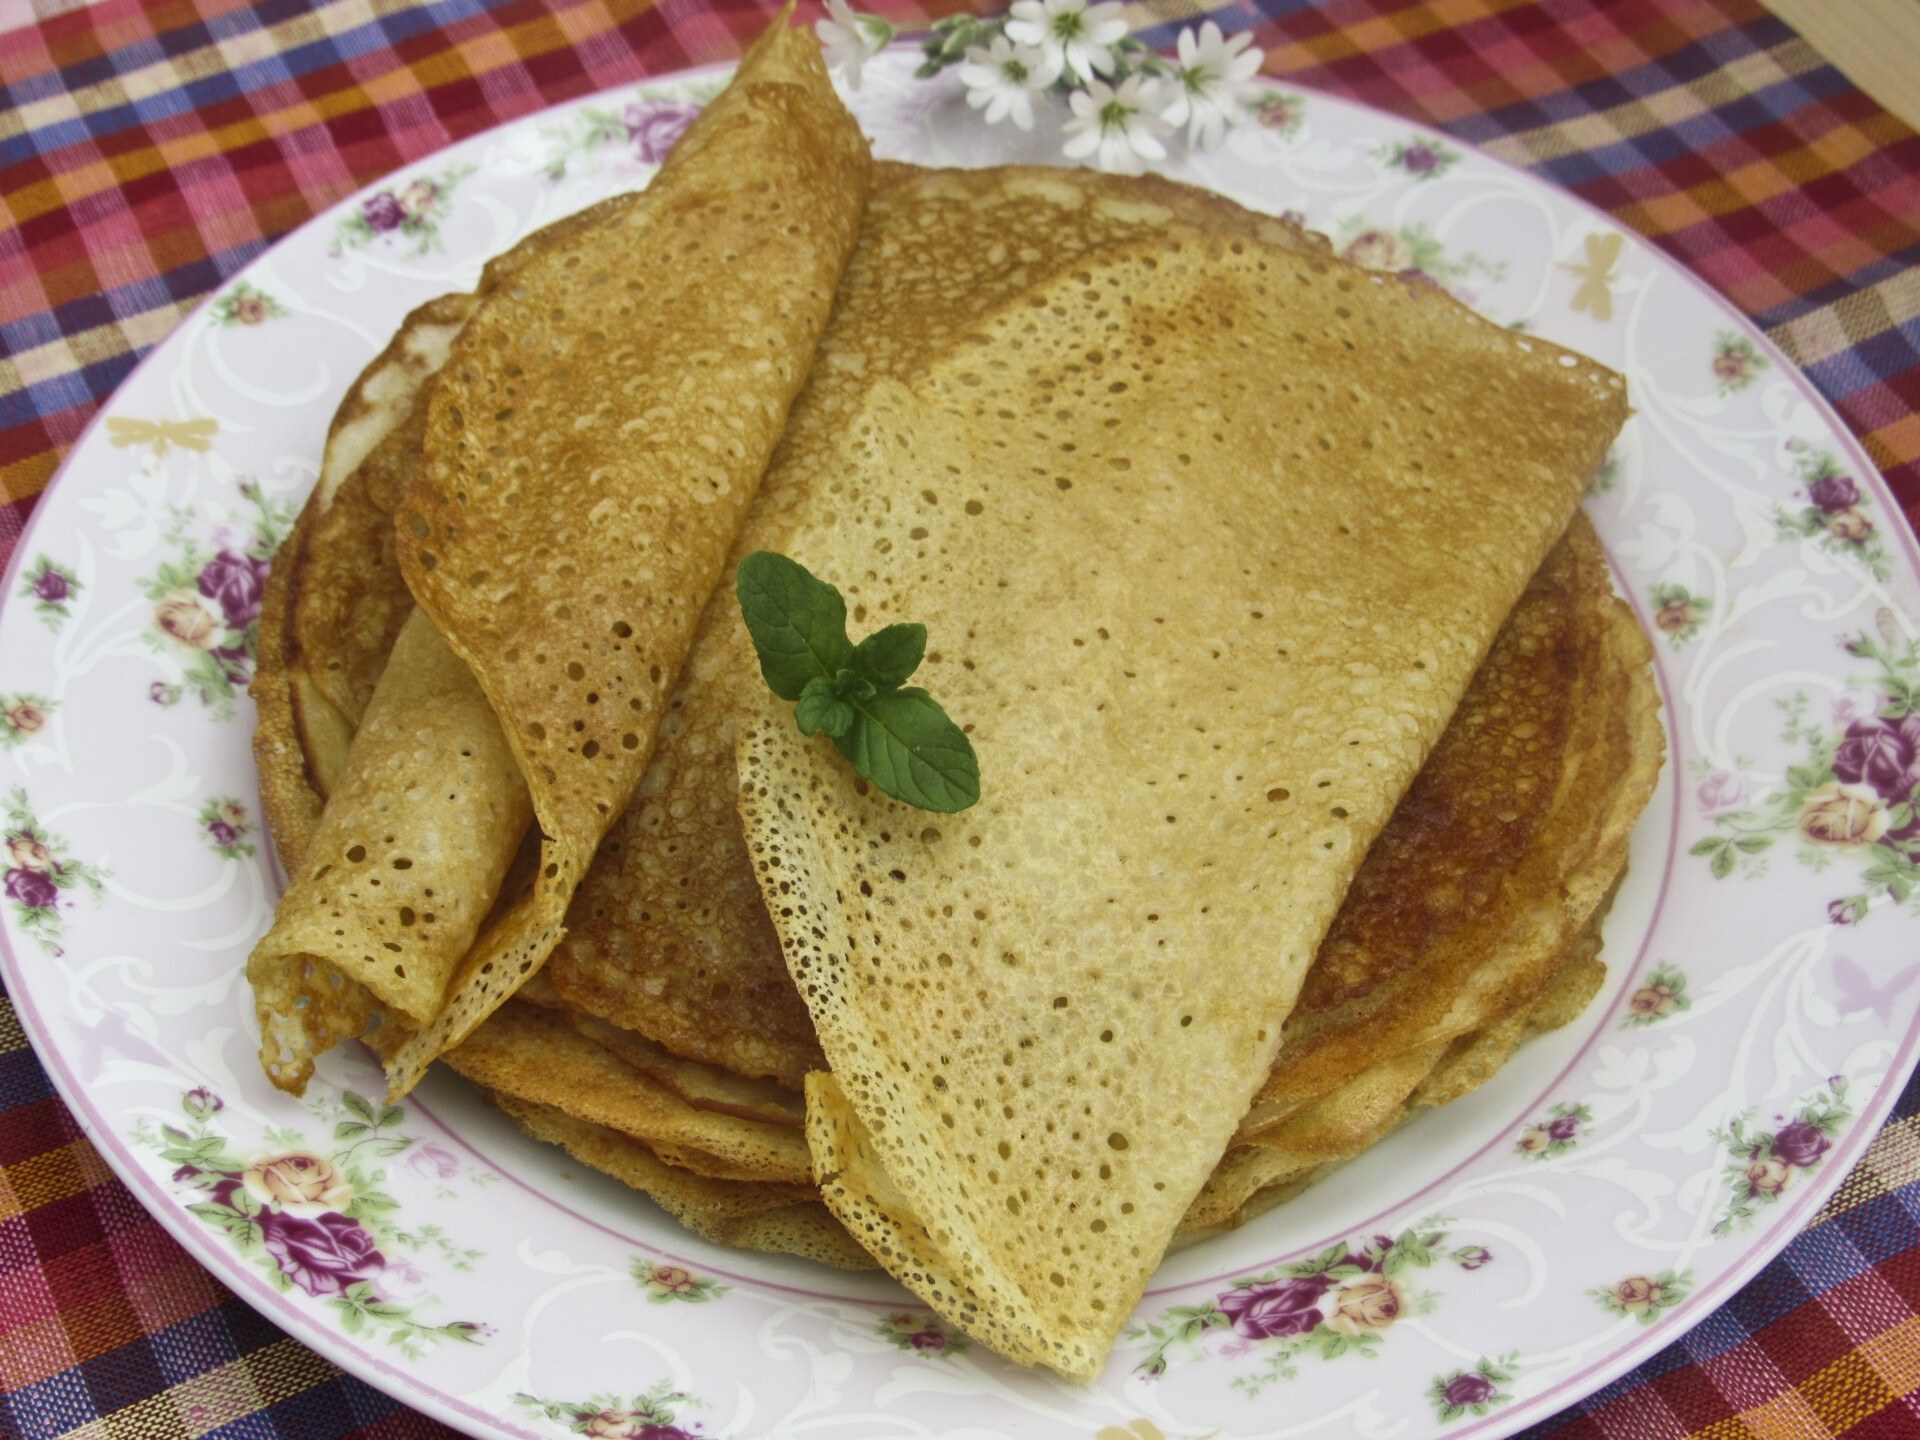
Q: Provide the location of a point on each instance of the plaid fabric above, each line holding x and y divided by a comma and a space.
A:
1826, 1342
109, 1331
150, 148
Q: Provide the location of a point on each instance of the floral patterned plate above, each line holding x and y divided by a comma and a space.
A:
1489, 1263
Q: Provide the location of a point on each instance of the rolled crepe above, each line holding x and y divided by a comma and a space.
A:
1240, 525
590, 449
335, 600
406, 859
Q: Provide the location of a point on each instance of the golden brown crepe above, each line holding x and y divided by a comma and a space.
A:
1359, 1113
1501, 849
592, 446
1227, 576
335, 599
577, 396
1249, 1181
535, 1055
682, 1096
788, 1219
667, 936
1306, 1150
403, 864
1567, 612
703, 1086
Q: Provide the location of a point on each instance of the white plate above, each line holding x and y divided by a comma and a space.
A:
1609, 1187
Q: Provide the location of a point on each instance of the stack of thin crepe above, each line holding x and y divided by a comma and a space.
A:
1214, 535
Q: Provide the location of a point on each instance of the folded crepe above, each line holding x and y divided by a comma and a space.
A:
668, 934
1240, 524
1252, 1179
957, 245
335, 600
668, 937
588, 451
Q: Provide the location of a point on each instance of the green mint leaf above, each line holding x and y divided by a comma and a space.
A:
821, 710
899, 739
887, 657
798, 624
903, 742
853, 687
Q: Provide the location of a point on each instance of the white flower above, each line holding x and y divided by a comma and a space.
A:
849, 39
1076, 37
1119, 128
1002, 79
1211, 85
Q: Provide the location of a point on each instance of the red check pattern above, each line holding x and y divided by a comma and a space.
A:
151, 148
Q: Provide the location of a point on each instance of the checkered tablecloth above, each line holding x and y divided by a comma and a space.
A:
150, 148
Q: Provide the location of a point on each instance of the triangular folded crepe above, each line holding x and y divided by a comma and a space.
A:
1239, 524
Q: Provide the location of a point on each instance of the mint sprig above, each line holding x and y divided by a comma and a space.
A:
893, 734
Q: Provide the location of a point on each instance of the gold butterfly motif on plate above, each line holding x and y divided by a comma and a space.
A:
187, 434
1595, 274
1142, 1429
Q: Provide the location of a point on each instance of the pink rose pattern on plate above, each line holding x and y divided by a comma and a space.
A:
1343, 1300
245, 304
1851, 800
1644, 1297
1763, 1165
1737, 363
52, 588
652, 1416
1283, 112
1421, 159
227, 827
1414, 253
634, 136
318, 1222
1721, 790
390, 216
38, 877
923, 1333
666, 1284
1678, 612
22, 717
1473, 1392
1835, 512
1556, 1134
206, 602
1662, 993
